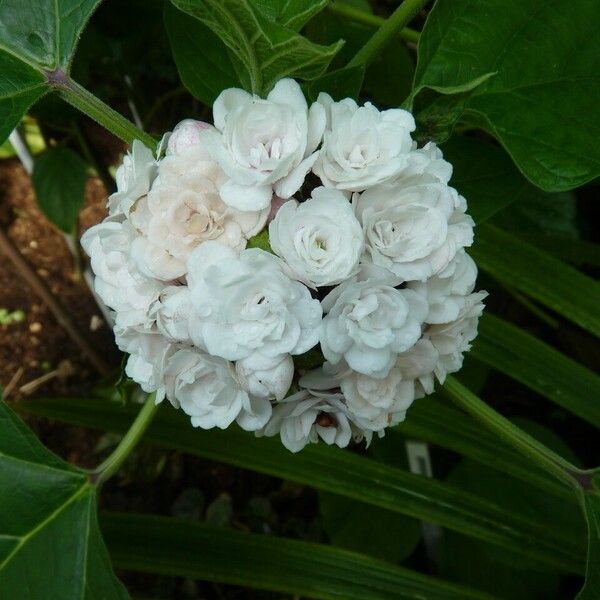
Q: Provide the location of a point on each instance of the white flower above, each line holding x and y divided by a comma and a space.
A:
171, 312
149, 355
184, 209
307, 417
428, 160
372, 403
206, 389
320, 239
266, 377
417, 364
369, 322
413, 227
361, 145
186, 135
264, 145
453, 339
134, 178
117, 280
446, 292
246, 303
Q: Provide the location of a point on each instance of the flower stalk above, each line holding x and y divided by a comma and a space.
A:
361, 17
130, 440
389, 29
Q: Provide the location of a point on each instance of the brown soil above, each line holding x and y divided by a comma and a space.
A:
38, 344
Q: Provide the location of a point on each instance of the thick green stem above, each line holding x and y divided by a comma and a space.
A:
538, 453
388, 30
370, 20
111, 465
103, 114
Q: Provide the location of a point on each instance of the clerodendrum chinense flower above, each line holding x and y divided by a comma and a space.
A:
223, 262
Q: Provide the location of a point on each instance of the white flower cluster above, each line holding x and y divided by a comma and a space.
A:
369, 265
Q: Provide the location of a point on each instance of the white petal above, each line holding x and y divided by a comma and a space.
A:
246, 197
227, 101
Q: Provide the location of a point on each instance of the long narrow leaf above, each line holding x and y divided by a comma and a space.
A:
180, 548
550, 281
437, 423
539, 366
340, 472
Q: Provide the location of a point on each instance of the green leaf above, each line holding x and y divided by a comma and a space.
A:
388, 536
50, 546
387, 80
35, 37
541, 213
541, 103
264, 50
552, 282
363, 528
540, 367
590, 500
339, 84
164, 546
59, 177
484, 174
333, 470
293, 14
435, 422
578, 252
482, 566
201, 57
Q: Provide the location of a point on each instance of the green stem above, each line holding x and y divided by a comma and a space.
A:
388, 30
370, 20
538, 453
111, 465
103, 114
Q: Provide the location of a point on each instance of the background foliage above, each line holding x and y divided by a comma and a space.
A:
510, 88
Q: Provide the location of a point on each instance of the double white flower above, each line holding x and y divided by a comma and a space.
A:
413, 227
362, 146
320, 239
368, 323
371, 265
246, 303
264, 146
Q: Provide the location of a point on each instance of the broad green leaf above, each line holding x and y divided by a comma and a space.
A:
50, 546
59, 177
36, 36
337, 471
527, 269
164, 546
264, 50
293, 14
541, 101
540, 367
541, 213
433, 421
484, 174
339, 84
201, 57
590, 500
